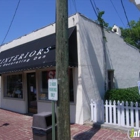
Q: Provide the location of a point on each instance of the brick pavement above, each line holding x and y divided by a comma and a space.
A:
14, 126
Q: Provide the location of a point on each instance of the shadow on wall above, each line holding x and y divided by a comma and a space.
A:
92, 72
94, 69
110, 64
115, 83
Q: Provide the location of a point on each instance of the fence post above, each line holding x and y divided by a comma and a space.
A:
99, 111
106, 111
110, 112
95, 111
137, 115
91, 107
102, 110
114, 112
122, 114
118, 112
132, 115
127, 115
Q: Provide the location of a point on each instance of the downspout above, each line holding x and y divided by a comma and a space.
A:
102, 24
104, 56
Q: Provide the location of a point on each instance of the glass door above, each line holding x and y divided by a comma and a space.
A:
32, 96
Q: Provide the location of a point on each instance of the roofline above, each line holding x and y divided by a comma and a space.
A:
51, 24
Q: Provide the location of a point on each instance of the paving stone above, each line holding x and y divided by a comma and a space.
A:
15, 126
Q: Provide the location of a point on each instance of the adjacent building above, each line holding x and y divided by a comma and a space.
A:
137, 3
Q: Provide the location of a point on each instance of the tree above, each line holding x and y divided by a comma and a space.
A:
101, 20
132, 35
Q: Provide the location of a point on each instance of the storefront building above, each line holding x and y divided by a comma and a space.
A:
28, 62
25, 70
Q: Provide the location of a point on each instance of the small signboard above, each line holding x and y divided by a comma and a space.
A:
139, 86
52, 90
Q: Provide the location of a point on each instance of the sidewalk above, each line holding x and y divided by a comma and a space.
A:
14, 126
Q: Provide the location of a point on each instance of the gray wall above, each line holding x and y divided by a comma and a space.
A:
124, 59
121, 57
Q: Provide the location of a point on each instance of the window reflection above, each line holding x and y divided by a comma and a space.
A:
45, 75
14, 86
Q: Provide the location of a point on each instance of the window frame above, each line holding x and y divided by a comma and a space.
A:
40, 85
5, 89
110, 80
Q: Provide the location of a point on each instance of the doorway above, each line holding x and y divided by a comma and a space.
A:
31, 91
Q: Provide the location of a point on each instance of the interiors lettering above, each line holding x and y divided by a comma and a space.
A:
25, 57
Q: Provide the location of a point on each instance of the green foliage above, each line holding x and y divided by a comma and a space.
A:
132, 35
129, 94
101, 20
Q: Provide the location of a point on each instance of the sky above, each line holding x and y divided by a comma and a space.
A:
32, 15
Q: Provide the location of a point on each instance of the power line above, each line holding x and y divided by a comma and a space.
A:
97, 10
74, 2
11, 23
117, 12
94, 8
125, 13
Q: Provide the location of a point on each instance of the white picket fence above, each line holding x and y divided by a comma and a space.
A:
116, 113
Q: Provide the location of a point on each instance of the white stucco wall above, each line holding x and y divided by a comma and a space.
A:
14, 105
90, 66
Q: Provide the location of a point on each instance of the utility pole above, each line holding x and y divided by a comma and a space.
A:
62, 55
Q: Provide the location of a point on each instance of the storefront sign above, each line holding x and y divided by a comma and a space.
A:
51, 74
25, 57
36, 54
52, 89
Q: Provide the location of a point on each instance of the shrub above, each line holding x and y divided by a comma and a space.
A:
129, 94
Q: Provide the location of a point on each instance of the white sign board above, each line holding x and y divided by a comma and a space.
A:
52, 90
139, 86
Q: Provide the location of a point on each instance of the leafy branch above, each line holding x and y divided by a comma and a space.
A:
101, 20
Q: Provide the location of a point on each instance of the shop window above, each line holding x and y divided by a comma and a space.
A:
14, 86
45, 75
110, 79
